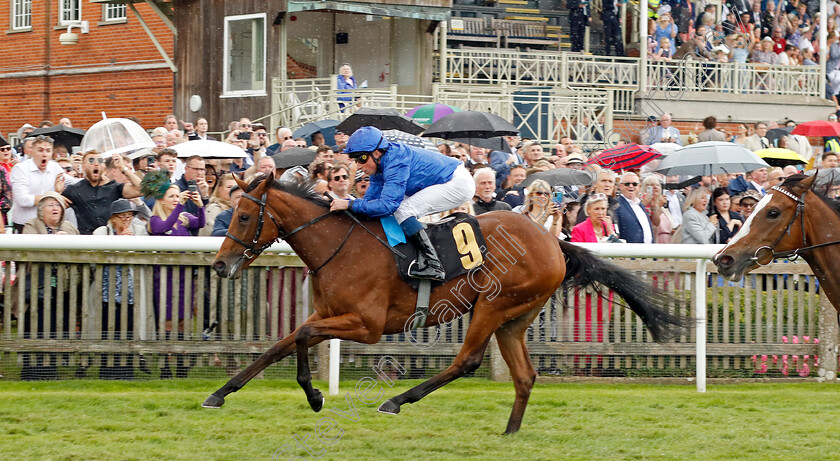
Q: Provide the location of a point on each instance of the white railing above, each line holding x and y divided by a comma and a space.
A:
573, 70
732, 77
85, 250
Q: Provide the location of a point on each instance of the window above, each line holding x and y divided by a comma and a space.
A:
244, 61
70, 12
21, 14
113, 12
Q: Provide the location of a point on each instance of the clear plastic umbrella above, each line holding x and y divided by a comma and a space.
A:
116, 136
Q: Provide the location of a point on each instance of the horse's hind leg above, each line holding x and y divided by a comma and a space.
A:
275, 353
511, 337
468, 359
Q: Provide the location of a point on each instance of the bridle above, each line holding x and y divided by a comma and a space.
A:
251, 250
791, 255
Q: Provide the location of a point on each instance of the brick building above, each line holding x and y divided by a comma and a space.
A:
115, 67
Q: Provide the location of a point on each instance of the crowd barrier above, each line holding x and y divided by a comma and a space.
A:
56, 322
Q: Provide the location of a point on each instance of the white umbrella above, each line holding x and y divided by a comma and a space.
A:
711, 157
116, 136
208, 149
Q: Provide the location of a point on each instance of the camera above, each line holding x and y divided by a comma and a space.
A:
150, 161
192, 186
244, 135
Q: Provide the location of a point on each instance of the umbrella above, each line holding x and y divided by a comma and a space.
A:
561, 177
326, 127
710, 157
471, 124
775, 134
208, 149
625, 157
430, 113
822, 128
384, 119
665, 148
296, 156
409, 139
781, 157
67, 137
497, 143
116, 136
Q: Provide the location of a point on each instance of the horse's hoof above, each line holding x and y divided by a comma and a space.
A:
389, 408
214, 401
317, 401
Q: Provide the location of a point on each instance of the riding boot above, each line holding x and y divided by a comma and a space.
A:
427, 265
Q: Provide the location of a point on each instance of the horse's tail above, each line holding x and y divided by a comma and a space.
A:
585, 268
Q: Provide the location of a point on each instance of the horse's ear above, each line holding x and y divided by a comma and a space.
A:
264, 185
802, 186
242, 184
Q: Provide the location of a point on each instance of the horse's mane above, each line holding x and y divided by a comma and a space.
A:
820, 188
301, 189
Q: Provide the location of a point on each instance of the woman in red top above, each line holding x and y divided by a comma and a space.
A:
598, 226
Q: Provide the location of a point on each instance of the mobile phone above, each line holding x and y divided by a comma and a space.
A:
150, 162
244, 135
192, 186
558, 196
649, 190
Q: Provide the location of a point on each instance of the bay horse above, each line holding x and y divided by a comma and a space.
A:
358, 294
791, 220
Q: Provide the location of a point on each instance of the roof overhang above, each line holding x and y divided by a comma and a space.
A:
432, 13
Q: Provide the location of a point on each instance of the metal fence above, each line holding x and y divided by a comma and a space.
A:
57, 323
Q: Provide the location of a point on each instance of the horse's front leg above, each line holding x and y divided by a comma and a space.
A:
349, 327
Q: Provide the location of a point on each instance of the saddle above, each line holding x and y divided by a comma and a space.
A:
459, 244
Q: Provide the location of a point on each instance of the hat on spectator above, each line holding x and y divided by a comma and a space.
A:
3, 141
54, 195
21, 129
258, 126
750, 194
832, 117
122, 205
575, 158
766, 39
721, 47
665, 9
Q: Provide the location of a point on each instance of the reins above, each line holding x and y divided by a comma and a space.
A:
791, 255
252, 251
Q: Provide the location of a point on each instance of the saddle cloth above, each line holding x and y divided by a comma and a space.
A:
459, 244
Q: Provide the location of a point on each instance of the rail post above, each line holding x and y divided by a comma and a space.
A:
828, 340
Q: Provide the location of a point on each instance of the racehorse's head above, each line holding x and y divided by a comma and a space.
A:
775, 226
253, 228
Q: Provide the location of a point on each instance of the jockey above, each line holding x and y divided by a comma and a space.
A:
407, 182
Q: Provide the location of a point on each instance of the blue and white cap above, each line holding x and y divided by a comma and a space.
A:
364, 141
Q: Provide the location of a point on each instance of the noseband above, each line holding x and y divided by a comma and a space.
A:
791, 255
251, 250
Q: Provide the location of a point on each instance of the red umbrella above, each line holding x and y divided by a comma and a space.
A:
625, 157
822, 128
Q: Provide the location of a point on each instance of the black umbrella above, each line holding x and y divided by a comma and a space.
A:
496, 143
471, 124
296, 156
561, 177
775, 134
67, 137
384, 119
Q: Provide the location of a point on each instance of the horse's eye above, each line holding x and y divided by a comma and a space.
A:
773, 214
243, 218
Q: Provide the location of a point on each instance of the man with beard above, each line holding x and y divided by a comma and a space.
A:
91, 198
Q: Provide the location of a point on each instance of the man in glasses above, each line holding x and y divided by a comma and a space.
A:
409, 183
91, 198
31, 179
635, 223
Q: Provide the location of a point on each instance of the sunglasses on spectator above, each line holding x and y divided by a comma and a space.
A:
630, 184
748, 205
68, 169
364, 179
598, 196
539, 192
339, 177
262, 135
5, 148
92, 160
